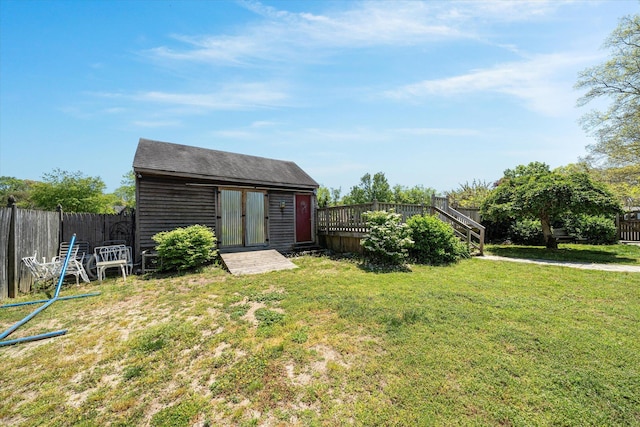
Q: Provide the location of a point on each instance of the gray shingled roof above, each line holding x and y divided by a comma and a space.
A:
182, 160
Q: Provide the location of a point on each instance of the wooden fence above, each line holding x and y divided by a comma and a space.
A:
26, 232
341, 228
629, 230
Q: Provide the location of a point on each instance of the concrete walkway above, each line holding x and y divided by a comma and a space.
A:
582, 265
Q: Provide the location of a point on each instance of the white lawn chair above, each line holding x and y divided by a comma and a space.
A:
75, 265
112, 256
42, 271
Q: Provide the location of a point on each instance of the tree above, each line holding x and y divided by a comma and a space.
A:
535, 192
369, 190
73, 191
470, 195
127, 190
323, 196
328, 196
617, 130
624, 181
415, 195
18, 188
336, 193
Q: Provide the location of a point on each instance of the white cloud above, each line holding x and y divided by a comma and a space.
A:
543, 82
246, 96
283, 35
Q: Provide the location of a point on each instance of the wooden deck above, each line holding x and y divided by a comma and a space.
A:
341, 228
256, 262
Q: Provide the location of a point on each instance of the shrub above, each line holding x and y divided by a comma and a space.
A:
434, 241
526, 232
597, 230
388, 242
185, 248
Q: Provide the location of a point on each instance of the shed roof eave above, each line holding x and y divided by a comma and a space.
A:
223, 180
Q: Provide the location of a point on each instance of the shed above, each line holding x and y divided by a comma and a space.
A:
250, 202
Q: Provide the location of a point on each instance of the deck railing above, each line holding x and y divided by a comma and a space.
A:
348, 220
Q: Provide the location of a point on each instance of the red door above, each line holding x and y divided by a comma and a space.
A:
303, 218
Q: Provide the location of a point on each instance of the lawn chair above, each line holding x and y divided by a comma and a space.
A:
112, 256
42, 271
76, 260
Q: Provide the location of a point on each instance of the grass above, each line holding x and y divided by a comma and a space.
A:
605, 254
476, 343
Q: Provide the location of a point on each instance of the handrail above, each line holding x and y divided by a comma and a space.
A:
466, 218
451, 218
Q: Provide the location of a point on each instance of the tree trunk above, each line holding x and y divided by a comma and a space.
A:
549, 240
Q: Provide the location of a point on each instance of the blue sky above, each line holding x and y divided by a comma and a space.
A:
430, 93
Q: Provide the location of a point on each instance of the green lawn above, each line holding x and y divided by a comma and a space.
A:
476, 343
605, 254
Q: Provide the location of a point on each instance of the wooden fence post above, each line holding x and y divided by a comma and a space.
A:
61, 224
13, 268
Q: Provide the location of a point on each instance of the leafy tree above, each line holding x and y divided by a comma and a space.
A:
617, 130
624, 181
415, 195
535, 192
370, 189
470, 195
73, 191
127, 190
335, 195
18, 188
328, 196
323, 196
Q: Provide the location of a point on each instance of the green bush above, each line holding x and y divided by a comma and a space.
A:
597, 230
388, 241
434, 241
185, 248
526, 232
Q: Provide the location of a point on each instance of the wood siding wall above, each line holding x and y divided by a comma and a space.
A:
165, 204
281, 221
